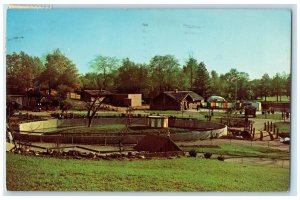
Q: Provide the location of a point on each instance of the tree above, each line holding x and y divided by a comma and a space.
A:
190, 71
90, 81
215, 84
255, 88
65, 106
104, 67
93, 106
22, 71
59, 70
132, 78
288, 85
164, 73
277, 83
265, 85
202, 81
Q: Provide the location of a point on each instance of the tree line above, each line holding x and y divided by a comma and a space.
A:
56, 71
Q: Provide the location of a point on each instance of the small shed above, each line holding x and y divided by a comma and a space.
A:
155, 143
157, 121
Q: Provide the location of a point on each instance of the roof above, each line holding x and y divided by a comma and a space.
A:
154, 143
97, 92
181, 95
215, 99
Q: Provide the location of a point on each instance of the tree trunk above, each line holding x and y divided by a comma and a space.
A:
90, 121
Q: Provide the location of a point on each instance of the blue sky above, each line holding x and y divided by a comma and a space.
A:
255, 41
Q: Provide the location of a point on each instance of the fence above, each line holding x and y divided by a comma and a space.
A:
77, 139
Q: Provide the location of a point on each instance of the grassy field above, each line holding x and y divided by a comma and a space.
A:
274, 99
269, 116
284, 127
115, 128
242, 150
26, 173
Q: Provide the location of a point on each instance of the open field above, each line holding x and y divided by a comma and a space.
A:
115, 129
241, 150
284, 127
274, 99
26, 173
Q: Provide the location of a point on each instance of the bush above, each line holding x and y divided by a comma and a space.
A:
221, 158
193, 153
207, 155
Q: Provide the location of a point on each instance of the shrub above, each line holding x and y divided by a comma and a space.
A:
193, 153
207, 155
221, 158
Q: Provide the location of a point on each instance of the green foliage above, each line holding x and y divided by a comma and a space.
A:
190, 71
22, 71
181, 174
164, 73
243, 150
284, 127
60, 72
105, 68
202, 81
65, 106
133, 78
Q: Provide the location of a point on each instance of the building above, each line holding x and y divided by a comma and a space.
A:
155, 143
73, 95
90, 95
176, 100
126, 100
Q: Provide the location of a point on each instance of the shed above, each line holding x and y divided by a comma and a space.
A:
176, 100
155, 143
90, 95
156, 121
133, 100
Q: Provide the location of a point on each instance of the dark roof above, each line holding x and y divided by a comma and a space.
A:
154, 143
181, 95
97, 92
216, 99
34, 93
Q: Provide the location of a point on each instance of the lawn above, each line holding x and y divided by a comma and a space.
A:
276, 116
274, 99
284, 127
115, 129
27, 173
242, 150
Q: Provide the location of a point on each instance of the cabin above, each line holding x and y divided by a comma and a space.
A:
90, 95
126, 100
176, 100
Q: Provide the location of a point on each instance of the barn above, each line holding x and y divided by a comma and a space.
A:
176, 100
155, 143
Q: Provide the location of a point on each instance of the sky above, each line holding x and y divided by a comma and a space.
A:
255, 41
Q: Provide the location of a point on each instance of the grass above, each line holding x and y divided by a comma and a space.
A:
242, 150
269, 116
27, 173
274, 99
284, 127
113, 128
